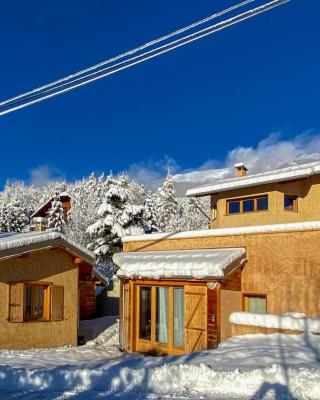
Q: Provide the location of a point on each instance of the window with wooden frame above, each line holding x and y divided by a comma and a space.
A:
255, 303
247, 205
290, 203
35, 302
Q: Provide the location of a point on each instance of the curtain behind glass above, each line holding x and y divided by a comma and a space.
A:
178, 316
257, 305
162, 315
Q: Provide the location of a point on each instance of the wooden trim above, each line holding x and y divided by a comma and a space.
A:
170, 320
218, 319
153, 313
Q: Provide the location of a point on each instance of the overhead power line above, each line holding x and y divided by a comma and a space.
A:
130, 52
86, 76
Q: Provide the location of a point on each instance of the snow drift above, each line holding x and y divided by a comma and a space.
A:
290, 321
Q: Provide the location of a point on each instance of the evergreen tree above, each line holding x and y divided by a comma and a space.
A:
3, 217
87, 195
14, 217
56, 219
166, 204
149, 215
117, 217
193, 214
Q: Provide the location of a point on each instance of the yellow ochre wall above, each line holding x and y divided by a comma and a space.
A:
49, 266
308, 191
283, 265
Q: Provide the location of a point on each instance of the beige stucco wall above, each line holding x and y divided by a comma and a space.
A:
48, 266
230, 301
283, 265
308, 191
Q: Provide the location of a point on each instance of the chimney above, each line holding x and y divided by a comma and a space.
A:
241, 170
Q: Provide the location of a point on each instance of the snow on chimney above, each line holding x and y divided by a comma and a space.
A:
241, 170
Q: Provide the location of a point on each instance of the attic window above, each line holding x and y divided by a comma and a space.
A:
290, 203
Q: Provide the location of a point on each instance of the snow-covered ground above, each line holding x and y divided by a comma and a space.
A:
244, 367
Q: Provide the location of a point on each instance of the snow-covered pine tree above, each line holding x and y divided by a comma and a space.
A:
149, 215
194, 214
15, 217
87, 195
166, 204
3, 217
117, 217
56, 220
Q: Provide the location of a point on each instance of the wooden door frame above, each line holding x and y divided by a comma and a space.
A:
152, 345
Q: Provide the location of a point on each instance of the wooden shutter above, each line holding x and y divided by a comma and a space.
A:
196, 318
57, 302
16, 302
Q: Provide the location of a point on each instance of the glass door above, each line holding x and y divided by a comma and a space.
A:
160, 324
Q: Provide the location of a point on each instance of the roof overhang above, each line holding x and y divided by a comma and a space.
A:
12, 245
178, 264
281, 175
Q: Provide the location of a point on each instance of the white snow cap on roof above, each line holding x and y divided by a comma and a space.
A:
14, 240
241, 230
239, 165
213, 263
278, 175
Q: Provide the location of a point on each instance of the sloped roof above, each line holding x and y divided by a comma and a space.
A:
202, 263
277, 175
14, 243
46, 204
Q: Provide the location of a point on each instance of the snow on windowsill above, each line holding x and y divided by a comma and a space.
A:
290, 321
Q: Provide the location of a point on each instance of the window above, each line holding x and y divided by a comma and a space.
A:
255, 303
290, 203
247, 205
35, 302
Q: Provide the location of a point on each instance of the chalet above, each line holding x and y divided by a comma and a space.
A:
187, 291
39, 219
87, 282
40, 275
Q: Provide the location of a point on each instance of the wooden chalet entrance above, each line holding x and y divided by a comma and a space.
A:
174, 317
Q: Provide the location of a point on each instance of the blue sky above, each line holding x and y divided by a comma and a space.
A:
192, 106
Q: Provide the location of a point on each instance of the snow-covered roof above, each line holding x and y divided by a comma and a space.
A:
21, 242
243, 230
277, 175
204, 263
46, 203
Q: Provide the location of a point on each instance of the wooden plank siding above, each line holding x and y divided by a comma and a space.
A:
87, 299
213, 318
